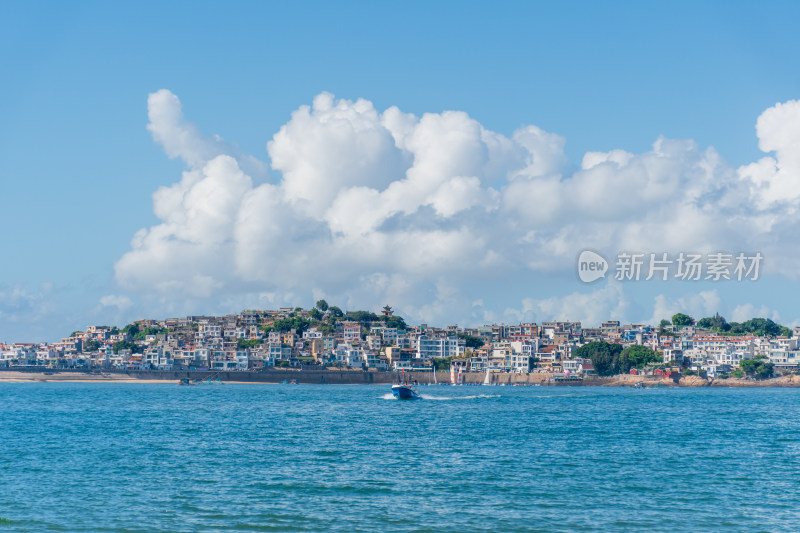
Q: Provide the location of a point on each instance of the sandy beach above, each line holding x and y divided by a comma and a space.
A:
85, 377
173, 377
72, 377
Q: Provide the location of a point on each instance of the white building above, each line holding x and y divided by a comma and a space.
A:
784, 359
437, 347
349, 355
312, 333
207, 330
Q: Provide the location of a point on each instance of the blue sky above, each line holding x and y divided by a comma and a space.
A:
79, 167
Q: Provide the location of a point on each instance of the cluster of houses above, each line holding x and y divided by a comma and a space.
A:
249, 341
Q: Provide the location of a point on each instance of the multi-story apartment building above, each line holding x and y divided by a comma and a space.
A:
437, 347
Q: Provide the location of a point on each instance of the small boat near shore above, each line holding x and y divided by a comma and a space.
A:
207, 381
405, 392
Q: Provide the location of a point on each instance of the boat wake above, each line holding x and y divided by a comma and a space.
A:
453, 398
446, 398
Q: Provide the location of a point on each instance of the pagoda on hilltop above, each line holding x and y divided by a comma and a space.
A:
387, 311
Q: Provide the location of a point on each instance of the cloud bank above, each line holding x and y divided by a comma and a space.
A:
435, 214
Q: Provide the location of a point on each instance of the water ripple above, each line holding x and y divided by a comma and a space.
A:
139, 457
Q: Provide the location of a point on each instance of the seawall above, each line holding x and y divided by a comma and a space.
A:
339, 377
359, 377
279, 375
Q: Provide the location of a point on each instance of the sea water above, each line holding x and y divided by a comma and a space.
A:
146, 457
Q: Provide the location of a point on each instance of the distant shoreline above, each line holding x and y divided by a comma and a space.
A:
356, 377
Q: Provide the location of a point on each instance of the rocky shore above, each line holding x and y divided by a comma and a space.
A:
691, 381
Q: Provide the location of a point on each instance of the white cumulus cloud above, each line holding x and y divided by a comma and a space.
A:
589, 308
697, 305
776, 180
746, 311
433, 213
120, 301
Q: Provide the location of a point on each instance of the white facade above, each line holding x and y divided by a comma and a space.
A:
347, 355
352, 332
207, 329
785, 358
438, 347
312, 333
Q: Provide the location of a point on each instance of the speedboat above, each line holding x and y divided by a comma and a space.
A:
405, 392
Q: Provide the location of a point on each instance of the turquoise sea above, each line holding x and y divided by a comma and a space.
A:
145, 457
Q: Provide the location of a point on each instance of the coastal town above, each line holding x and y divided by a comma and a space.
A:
327, 337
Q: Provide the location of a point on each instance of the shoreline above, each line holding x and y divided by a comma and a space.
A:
354, 377
70, 377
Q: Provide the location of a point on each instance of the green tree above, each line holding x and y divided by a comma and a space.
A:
322, 305
282, 325
762, 327
335, 311
441, 363
748, 366
131, 329
243, 344
91, 345
362, 317
715, 323
757, 368
604, 356
396, 322
636, 357
736, 329
758, 326
315, 313
150, 330
471, 341
680, 320
287, 324
765, 370
126, 345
